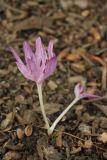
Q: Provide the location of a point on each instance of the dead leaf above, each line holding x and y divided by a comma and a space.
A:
77, 79
84, 128
65, 5
78, 67
94, 84
102, 107
12, 155
98, 60
73, 57
52, 85
88, 144
41, 143
58, 15
40, 151
29, 116
82, 4
52, 153
95, 33
103, 122
32, 22
103, 137
19, 119
28, 23
50, 108
28, 130
20, 133
20, 99
75, 150
7, 121
62, 55
59, 141
85, 13
4, 72
11, 146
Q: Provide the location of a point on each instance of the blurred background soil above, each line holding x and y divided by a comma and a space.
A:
79, 31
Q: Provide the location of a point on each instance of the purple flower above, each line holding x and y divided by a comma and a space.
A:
39, 65
81, 93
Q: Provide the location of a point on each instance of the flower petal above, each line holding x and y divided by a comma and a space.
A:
31, 60
50, 50
16, 56
89, 95
24, 70
40, 51
50, 67
78, 89
27, 50
21, 66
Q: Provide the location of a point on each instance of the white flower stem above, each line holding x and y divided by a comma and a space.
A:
39, 87
61, 115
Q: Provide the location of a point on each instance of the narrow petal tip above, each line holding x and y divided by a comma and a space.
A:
50, 49
16, 56
27, 50
78, 89
38, 40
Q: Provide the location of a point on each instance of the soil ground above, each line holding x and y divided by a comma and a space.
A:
79, 30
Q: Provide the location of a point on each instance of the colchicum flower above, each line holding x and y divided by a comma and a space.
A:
39, 65
80, 92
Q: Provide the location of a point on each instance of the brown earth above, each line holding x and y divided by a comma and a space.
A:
79, 30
